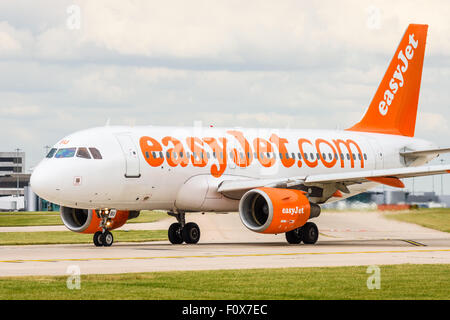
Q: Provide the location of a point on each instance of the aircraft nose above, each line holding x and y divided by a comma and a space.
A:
45, 182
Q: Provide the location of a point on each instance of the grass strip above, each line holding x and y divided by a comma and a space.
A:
407, 281
51, 218
435, 218
69, 237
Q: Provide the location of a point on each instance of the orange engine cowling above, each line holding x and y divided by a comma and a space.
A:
273, 210
87, 221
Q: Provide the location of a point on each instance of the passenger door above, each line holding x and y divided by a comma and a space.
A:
132, 167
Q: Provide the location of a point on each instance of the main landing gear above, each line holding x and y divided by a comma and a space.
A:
181, 231
309, 234
104, 238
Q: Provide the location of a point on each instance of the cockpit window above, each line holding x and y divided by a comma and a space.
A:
65, 153
83, 153
95, 153
51, 153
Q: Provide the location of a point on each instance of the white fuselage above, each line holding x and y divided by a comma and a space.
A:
138, 169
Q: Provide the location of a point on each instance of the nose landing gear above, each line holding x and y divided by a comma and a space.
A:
183, 232
104, 238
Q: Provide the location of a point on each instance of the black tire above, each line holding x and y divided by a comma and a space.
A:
107, 239
295, 236
174, 234
191, 233
97, 239
310, 233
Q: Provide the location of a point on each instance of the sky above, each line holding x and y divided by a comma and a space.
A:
72, 65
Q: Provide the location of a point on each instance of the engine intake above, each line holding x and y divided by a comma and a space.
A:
273, 210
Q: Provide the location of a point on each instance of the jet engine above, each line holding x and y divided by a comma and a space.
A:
87, 221
274, 210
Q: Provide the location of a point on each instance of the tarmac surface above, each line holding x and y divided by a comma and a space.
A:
346, 239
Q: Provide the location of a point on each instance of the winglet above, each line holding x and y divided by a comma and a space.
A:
393, 109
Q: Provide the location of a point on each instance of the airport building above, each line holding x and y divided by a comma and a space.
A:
13, 180
15, 192
12, 162
392, 200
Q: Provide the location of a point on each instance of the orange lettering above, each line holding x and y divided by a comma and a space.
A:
220, 155
284, 155
347, 143
262, 148
242, 160
150, 149
199, 156
176, 155
310, 164
324, 161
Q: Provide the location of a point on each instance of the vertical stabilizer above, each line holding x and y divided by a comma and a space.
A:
393, 109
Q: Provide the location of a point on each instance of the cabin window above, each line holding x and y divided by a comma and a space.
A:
365, 156
51, 153
65, 153
83, 153
95, 153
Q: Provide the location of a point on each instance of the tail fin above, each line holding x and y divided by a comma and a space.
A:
393, 109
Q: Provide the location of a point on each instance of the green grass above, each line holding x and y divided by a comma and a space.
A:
21, 219
51, 218
397, 282
436, 218
69, 237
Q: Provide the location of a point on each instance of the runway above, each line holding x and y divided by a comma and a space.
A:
346, 238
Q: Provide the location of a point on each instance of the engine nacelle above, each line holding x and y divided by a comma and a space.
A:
87, 221
273, 210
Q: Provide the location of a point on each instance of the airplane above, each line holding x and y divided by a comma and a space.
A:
276, 178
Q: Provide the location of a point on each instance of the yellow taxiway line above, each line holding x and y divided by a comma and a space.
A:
224, 255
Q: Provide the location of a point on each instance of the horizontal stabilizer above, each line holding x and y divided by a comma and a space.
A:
425, 152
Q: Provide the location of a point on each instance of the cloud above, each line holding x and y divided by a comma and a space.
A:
22, 111
228, 63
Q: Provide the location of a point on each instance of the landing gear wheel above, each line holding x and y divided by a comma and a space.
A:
107, 238
97, 239
295, 236
310, 233
191, 233
174, 233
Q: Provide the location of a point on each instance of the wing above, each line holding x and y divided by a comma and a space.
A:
333, 181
